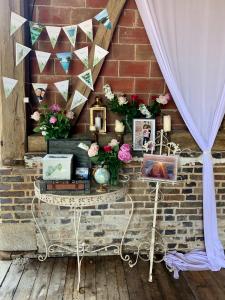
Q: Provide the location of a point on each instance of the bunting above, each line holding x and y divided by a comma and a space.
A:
82, 54
42, 59
63, 87
35, 31
71, 33
103, 17
21, 52
8, 85
78, 99
16, 22
87, 28
99, 54
53, 33
86, 77
65, 59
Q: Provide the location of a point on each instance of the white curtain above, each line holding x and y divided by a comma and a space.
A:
188, 39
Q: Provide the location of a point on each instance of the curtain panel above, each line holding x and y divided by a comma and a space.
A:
188, 39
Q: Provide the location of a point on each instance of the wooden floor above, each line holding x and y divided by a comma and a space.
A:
104, 278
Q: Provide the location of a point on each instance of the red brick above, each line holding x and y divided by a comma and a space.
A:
138, 21
48, 70
134, 69
127, 18
96, 3
110, 68
122, 85
71, 3
144, 52
155, 70
53, 16
121, 52
131, 4
149, 85
82, 14
133, 36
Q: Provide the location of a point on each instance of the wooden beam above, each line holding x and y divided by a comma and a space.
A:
102, 38
12, 109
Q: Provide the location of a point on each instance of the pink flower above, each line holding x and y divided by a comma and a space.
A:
125, 147
35, 116
124, 156
163, 99
70, 115
93, 150
55, 107
53, 120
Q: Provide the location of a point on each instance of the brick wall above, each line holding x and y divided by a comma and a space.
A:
129, 68
179, 213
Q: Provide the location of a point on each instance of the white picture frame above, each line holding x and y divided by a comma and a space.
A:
143, 132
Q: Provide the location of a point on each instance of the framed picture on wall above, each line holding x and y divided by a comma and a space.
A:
159, 167
143, 132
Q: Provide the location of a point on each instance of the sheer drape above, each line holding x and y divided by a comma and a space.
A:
188, 39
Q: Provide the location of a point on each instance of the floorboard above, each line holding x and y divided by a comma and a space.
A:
4, 268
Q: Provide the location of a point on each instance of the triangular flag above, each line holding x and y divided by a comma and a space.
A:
99, 54
87, 28
78, 99
86, 77
21, 52
8, 84
42, 59
39, 86
53, 33
82, 54
62, 87
35, 31
103, 17
71, 32
16, 22
65, 59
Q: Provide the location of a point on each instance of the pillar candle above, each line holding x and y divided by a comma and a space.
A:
167, 123
119, 127
92, 128
98, 123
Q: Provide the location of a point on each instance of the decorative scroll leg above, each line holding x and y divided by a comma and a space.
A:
40, 257
152, 245
77, 217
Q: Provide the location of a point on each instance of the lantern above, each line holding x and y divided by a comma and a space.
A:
98, 116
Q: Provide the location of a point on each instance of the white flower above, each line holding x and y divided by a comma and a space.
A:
36, 116
113, 143
108, 92
43, 133
70, 114
143, 109
43, 127
122, 100
163, 99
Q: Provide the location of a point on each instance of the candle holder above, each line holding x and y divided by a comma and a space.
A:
98, 116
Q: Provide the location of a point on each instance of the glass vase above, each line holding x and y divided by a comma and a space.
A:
114, 176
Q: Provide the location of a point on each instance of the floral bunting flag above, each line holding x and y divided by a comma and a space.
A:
87, 28
82, 54
78, 99
53, 33
16, 22
62, 87
71, 33
65, 59
103, 17
86, 77
35, 31
8, 84
42, 59
99, 54
21, 52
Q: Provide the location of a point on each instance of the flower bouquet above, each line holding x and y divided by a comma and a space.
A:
135, 108
53, 122
112, 156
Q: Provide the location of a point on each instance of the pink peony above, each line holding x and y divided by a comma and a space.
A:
125, 147
70, 115
124, 156
55, 107
93, 150
35, 116
53, 120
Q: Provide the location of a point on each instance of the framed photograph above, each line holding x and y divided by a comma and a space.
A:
82, 173
143, 132
159, 167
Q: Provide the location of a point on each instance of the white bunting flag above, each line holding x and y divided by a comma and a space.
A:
53, 33
63, 87
16, 22
71, 32
40, 86
42, 59
99, 54
82, 54
78, 99
8, 84
21, 52
86, 77
87, 28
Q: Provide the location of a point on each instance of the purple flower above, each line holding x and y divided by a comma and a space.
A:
53, 120
125, 147
55, 107
125, 156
